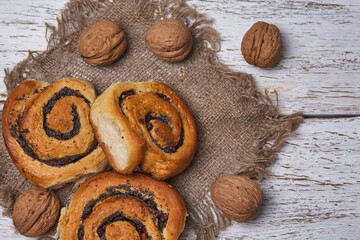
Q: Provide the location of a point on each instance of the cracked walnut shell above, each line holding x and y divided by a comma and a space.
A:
35, 212
261, 45
170, 40
238, 197
102, 43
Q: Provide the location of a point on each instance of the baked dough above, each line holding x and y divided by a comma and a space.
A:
47, 131
115, 206
144, 124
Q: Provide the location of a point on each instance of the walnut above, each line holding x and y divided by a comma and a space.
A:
170, 40
261, 45
35, 212
102, 43
238, 197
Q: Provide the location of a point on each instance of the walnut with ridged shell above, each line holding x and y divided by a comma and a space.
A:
238, 197
102, 43
170, 40
261, 45
35, 212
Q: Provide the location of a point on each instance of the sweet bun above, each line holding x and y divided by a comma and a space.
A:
145, 124
48, 134
115, 206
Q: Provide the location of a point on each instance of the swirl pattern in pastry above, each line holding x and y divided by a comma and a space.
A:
144, 124
48, 134
115, 206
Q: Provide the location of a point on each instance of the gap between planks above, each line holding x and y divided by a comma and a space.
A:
307, 116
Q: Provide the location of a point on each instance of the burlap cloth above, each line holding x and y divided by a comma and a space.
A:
239, 128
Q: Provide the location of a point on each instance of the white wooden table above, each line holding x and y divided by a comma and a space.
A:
313, 191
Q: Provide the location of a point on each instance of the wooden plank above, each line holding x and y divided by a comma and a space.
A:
313, 191
318, 73
22, 27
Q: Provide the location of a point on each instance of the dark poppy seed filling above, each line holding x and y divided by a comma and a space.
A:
164, 119
119, 216
64, 92
28, 148
160, 218
163, 96
124, 95
81, 232
64, 136
151, 116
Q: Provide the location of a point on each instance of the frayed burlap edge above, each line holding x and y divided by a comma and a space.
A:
208, 39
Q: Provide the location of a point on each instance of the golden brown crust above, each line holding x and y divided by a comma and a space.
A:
152, 127
170, 40
261, 45
42, 158
129, 196
106, 107
102, 43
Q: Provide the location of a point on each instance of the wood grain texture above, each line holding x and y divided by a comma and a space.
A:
22, 28
313, 191
319, 71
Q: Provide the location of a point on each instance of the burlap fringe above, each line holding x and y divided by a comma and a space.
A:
203, 221
207, 38
6, 201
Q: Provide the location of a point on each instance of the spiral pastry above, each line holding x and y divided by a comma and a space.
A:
48, 134
144, 123
115, 206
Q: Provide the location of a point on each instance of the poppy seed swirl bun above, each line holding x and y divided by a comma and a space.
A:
144, 124
115, 206
47, 131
